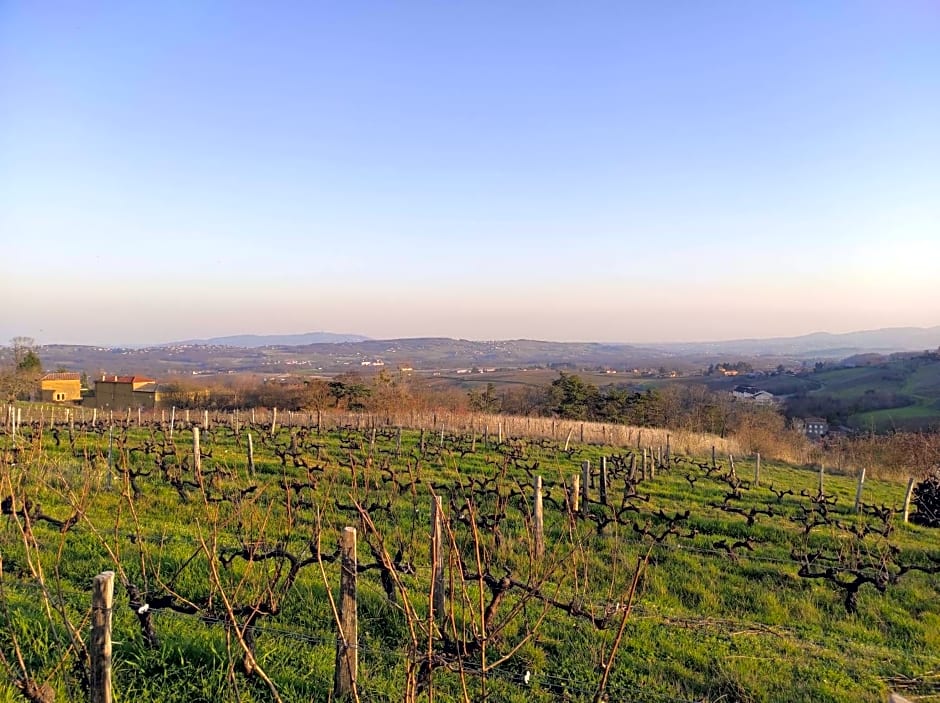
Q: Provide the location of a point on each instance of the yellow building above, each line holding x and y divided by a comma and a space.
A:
62, 387
120, 392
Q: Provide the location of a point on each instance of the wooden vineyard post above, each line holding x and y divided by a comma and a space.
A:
197, 457
172, 420
398, 444
538, 519
205, 420
347, 644
110, 455
273, 421
187, 416
643, 474
859, 489
422, 441
822, 478
652, 464
734, 473
575, 493
99, 652
585, 481
251, 456
499, 429
437, 559
714, 464
602, 481
757, 470
907, 498
668, 451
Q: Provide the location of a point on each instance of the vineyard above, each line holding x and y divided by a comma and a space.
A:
484, 564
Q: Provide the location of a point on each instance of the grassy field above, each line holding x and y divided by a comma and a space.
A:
908, 417
741, 592
898, 394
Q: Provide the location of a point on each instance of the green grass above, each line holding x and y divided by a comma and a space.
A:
707, 624
914, 381
908, 417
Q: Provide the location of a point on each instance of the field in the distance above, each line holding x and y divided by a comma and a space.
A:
769, 592
902, 394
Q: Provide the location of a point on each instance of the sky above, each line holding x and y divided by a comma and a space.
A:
594, 171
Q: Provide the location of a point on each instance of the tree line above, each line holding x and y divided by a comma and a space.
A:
680, 406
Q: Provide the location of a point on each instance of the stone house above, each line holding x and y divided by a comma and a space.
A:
122, 392
60, 387
815, 427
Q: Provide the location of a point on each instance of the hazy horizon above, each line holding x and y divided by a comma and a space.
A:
649, 342
609, 172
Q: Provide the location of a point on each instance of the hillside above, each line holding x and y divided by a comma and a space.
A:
336, 357
334, 353
252, 341
898, 393
821, 344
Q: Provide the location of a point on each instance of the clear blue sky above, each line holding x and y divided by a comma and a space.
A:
607, 171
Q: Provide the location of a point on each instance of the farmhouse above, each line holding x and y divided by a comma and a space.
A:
815, 427
120, 392
62, 387
753, 395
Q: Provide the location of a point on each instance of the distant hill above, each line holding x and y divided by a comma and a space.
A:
820, 344
253, 341
815, 345
339, 356
336, 353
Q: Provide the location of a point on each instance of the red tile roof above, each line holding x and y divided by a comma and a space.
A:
62, 376
127, 379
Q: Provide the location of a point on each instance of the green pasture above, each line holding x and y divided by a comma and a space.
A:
916, 380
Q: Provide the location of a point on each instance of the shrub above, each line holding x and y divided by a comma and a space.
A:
927, 499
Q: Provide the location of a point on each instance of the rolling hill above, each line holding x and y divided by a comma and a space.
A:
253, 341
899, 393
